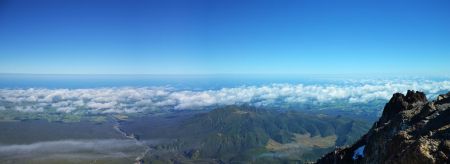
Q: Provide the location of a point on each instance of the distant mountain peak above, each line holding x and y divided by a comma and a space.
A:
410, 130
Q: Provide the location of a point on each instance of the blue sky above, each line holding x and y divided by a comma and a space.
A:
215, 37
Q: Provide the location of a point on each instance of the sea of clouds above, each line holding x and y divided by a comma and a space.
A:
138, 99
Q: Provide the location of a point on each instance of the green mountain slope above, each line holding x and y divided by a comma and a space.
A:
246, 134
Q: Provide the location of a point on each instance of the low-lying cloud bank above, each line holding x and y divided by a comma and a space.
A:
76, 149
137, 99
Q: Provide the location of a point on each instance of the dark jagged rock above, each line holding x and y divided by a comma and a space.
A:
417, 96
411, 130
400, 102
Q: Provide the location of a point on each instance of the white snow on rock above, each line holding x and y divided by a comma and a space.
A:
359, 153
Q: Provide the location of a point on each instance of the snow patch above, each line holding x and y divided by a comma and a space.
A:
359, 153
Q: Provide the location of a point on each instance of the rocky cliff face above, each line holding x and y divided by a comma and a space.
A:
411, 130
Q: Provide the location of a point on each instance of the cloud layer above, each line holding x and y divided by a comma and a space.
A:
138, 99
77, 149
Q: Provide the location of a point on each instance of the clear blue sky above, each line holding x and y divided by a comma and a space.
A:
213, 37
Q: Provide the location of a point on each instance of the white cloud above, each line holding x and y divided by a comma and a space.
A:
78, 149
136, 99
66, 109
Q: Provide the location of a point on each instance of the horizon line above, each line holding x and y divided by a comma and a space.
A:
229, 74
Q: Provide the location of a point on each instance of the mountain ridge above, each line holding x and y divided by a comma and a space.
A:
245, 133
410, 130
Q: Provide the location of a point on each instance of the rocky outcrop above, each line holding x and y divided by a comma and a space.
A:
411, 130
